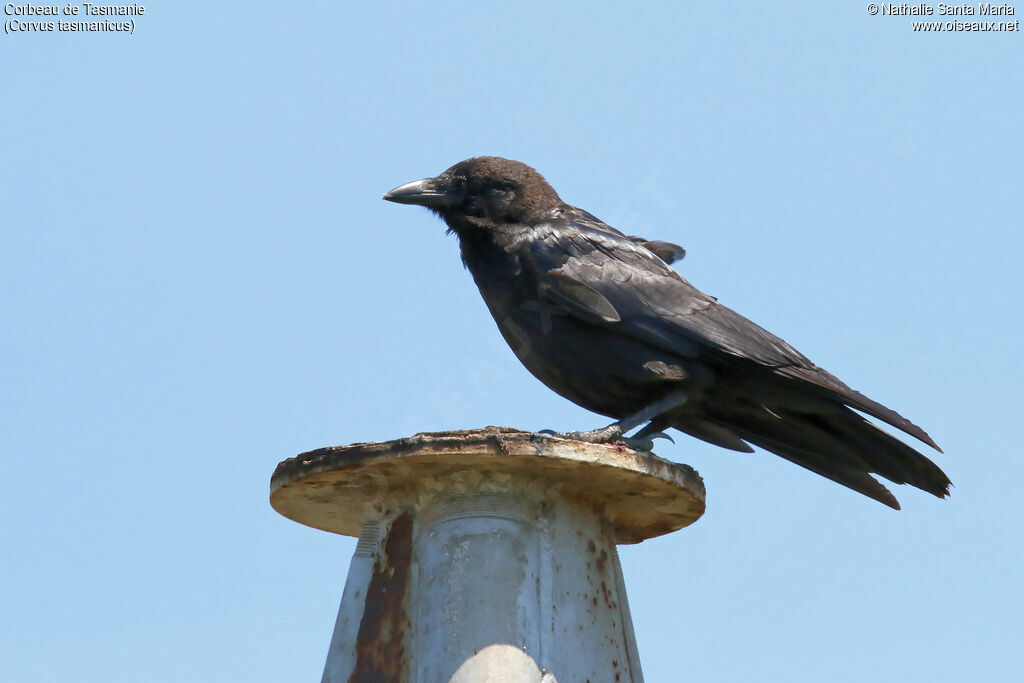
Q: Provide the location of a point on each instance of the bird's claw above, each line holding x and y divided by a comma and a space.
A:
662, 435
643, 443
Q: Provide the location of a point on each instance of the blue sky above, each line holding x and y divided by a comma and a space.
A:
199, 279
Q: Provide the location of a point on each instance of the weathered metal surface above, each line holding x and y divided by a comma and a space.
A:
486, 555
477, 557
341, 655
640, 494
381, 646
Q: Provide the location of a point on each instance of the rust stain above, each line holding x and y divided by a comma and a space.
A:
380, 646
611, 604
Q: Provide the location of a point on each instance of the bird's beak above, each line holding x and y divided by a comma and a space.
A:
431, 192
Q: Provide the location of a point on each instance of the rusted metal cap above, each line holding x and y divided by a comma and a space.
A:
336, 488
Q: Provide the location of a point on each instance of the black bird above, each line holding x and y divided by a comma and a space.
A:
601, 319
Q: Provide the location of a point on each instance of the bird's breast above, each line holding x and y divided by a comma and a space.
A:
593, 364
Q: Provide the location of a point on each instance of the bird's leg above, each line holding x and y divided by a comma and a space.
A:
673, 400
614, 431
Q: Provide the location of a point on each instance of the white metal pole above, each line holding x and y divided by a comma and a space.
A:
486, 556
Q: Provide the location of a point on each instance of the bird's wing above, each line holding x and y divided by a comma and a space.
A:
666, 251
588, 269
605, 278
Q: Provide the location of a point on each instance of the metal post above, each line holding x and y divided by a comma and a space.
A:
485, 555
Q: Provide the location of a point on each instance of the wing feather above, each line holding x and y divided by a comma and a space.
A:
610, 279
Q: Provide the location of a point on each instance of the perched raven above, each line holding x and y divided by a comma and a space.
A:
600, 318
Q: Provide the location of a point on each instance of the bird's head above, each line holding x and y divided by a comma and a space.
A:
482, 191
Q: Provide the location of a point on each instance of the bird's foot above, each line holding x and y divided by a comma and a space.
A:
608, 434
613, 434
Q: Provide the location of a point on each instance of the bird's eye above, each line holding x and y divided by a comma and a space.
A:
501, 193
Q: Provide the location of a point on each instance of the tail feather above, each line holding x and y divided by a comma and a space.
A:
714, 434
839, 444
884, 453
851, 477
833, 387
